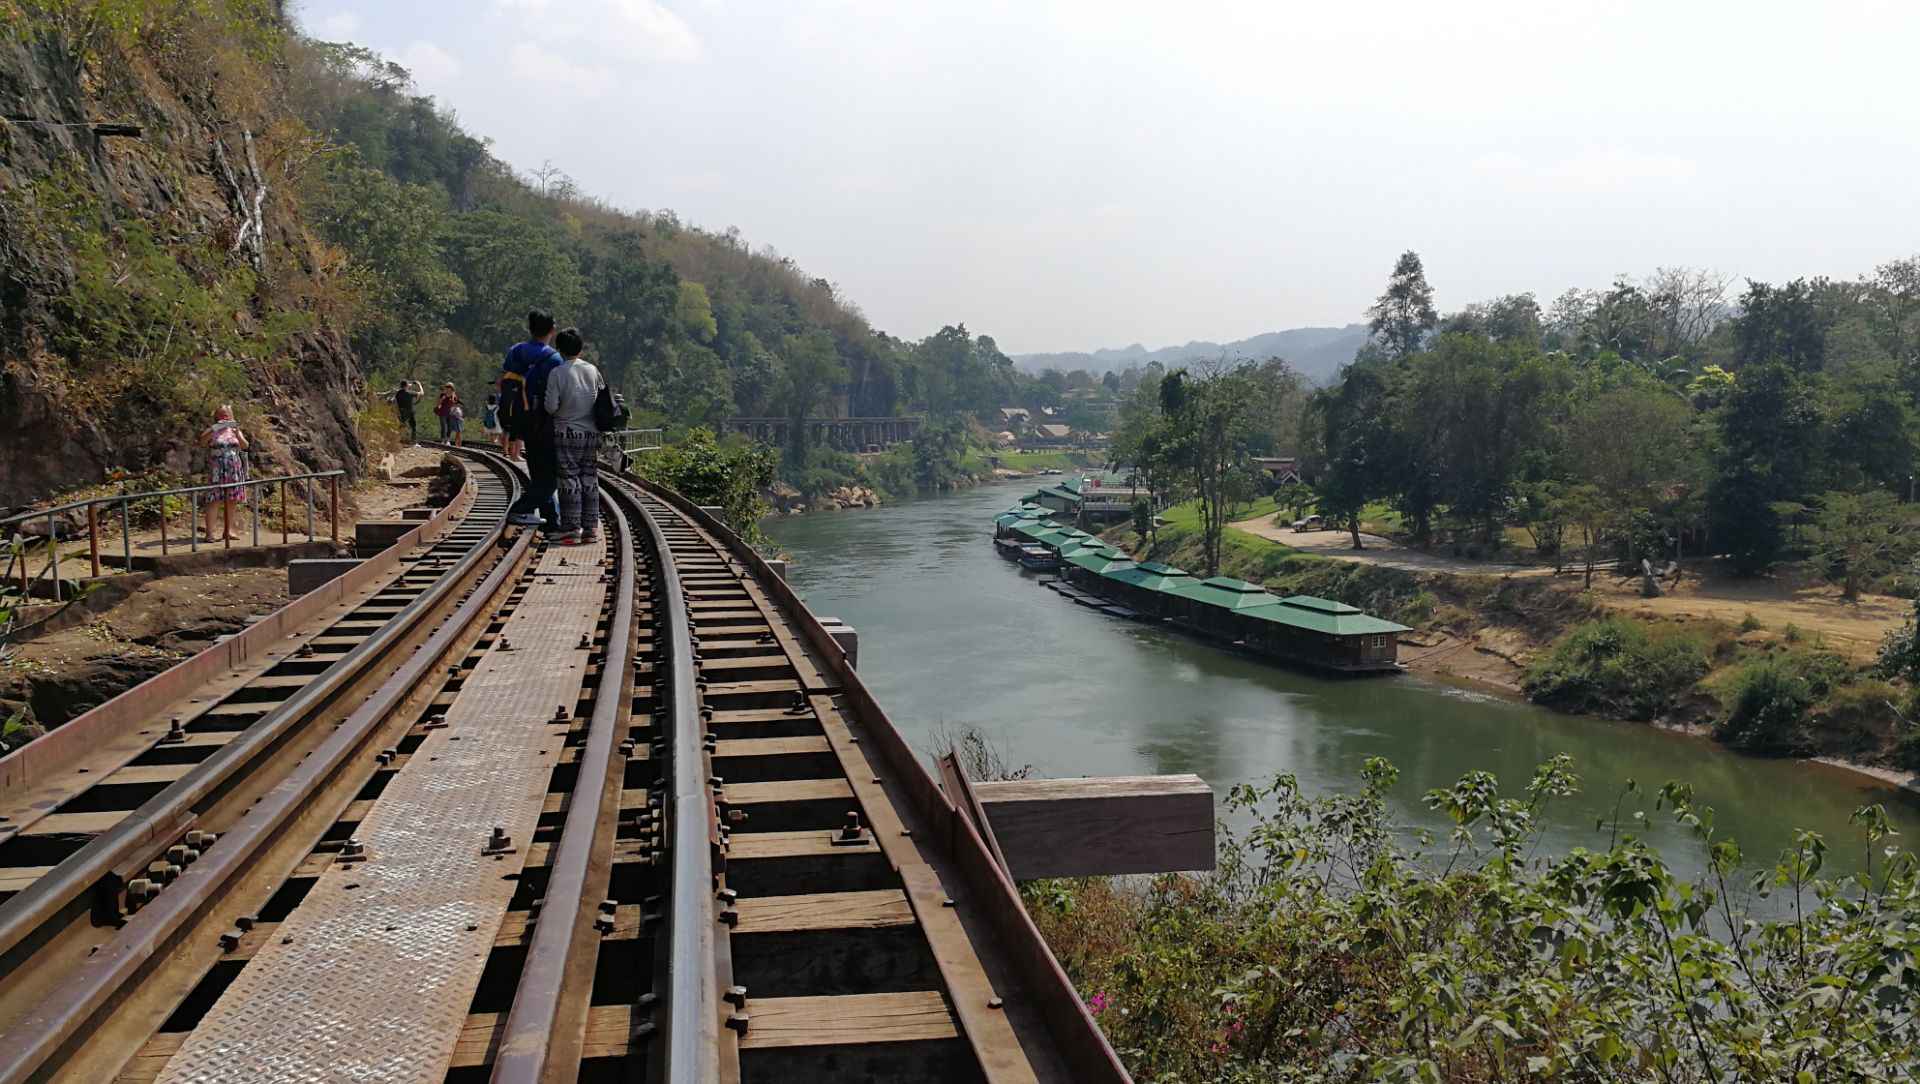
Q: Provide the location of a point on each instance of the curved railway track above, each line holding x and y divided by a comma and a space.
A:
619, 812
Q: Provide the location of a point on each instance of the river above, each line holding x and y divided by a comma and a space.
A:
952, 636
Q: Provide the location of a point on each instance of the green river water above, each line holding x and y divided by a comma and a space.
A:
951, 635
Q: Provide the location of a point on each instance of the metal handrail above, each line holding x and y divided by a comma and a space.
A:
636, 440
125, 502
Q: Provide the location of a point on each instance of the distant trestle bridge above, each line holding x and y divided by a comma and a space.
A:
845, 434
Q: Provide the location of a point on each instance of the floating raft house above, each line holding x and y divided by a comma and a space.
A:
1302, 629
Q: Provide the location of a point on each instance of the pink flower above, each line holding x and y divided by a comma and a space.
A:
1097, 1004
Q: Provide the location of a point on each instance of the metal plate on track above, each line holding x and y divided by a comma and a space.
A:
370, 977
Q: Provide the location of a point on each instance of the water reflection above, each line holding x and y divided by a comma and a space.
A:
950, 634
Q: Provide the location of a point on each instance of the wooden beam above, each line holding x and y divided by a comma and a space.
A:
1102, 826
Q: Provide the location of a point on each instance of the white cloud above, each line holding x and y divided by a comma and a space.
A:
615, 29
646, 28
340, 26
432, 66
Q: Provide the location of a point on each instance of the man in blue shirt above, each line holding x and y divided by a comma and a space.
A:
523, 389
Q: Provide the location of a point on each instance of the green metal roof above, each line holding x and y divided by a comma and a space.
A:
1098, 560
1151, 576
1320, 605
1352, 623
1227, 593
1033, 529
1086, 545
1060, 492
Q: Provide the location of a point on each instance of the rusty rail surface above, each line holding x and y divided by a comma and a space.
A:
1074, 1035
825, 913
108, 862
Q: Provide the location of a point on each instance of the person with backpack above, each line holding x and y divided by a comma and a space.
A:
573, 397
523, 387
453, 416
490, 421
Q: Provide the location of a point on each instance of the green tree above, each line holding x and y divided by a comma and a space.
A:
1782, 323
1858, 536
809, 371
1352, 423
509, 265
1768, 432
391, 231
1403, 315
1587, 508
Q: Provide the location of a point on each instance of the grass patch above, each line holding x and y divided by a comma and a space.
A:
1618, 667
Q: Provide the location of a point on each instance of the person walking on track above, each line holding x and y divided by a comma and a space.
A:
404, 395
572, 391
523, 388
453, 416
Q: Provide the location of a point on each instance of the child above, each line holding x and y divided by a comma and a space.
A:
490, 420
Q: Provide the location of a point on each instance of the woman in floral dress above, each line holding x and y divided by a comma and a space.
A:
226, 445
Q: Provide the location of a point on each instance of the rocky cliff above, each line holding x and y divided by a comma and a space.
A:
153, 259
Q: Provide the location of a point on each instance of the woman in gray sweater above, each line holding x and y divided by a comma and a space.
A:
572, 389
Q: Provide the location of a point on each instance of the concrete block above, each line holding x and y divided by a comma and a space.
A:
307, 574
417, 515
373, 535
1102, 826
779, 566
713, 510
844, 635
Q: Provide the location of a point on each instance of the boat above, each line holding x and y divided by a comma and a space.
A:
1039, 558
1008, 547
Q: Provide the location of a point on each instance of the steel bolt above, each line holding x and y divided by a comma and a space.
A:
738, 1022
560, 714
230, 940
499, 841
735, 996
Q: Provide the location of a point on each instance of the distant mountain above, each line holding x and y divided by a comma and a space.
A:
1317, 352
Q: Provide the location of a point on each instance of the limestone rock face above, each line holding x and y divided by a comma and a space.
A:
186, 182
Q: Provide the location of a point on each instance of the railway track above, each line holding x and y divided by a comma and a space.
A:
623, 814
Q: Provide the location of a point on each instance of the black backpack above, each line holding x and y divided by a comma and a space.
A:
610, 412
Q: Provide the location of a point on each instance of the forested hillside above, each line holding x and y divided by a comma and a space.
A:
290, 225
154, 255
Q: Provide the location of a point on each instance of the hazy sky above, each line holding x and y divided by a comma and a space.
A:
1070, 176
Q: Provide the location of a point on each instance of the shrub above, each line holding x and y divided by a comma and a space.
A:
1750, 623
1619, 667
1856, 719
706, 472
1767, 708
1331, 947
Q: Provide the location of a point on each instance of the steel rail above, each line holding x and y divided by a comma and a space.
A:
144, 832
97, 982
1078, 1039
565, 929
693, 1035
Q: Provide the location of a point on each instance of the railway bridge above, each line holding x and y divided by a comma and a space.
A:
481, 809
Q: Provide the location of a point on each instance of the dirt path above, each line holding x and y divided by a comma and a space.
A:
1855, 629
1379, 551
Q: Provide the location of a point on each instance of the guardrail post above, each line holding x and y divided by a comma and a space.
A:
226, 521
163, 526
286, 523
53, 550
309, 488
333, 507
253, 505
126, 535
93, 537
193, 523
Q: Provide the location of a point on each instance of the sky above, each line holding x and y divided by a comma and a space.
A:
1068, 176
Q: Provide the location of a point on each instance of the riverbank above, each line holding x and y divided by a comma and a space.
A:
1794, 645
